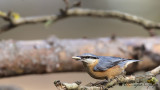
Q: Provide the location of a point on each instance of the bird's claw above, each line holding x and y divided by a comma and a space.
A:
119, 77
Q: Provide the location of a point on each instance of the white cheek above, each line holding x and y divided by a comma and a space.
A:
90, 61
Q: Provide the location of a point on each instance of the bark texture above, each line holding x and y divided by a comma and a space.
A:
54, 54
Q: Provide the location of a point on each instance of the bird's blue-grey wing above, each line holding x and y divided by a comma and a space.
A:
108, 62
105, 63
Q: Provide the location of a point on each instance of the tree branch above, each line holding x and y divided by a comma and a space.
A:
147, 78
76, 12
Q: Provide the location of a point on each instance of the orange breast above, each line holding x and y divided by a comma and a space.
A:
108, 74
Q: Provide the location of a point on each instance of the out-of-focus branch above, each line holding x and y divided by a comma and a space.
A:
147, 78
15, 19
54, 54
8, 87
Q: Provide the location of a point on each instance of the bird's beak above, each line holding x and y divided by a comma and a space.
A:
76, 57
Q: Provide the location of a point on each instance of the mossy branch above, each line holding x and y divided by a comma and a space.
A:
149, 77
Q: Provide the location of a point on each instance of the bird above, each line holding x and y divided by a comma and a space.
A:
104, 67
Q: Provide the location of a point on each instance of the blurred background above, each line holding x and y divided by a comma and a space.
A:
77, 27
80, 26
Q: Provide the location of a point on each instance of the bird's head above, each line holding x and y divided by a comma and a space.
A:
86, 58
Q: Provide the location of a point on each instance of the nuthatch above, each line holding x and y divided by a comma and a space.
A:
104, 67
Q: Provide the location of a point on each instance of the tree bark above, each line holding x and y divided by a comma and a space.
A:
54, 54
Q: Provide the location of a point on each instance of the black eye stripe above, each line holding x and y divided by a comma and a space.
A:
86, 57
95, 57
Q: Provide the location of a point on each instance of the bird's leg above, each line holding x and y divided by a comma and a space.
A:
120, 77
124, 73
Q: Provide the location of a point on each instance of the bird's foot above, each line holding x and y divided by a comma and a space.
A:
109, 80
119, 77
